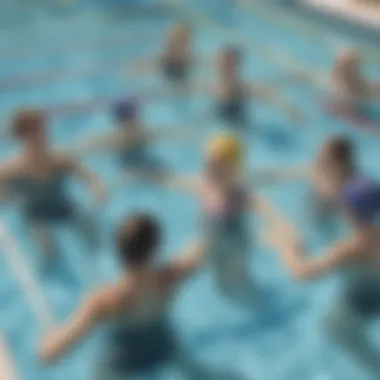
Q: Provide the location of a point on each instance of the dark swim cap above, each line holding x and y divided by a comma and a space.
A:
361, 197
125, 109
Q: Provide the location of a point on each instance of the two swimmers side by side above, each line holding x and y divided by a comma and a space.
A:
357, 259
131, 140
135, 310
226, 203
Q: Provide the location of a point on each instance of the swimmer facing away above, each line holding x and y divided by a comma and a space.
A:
357, 257
135, 308
226, 203
131, 140
37, 177
233, 93
177, 59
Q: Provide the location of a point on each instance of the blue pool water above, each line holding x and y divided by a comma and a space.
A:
64, 52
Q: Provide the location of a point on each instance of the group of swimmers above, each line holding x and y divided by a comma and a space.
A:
136, 306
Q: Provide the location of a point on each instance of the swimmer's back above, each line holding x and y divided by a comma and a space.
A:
129, 303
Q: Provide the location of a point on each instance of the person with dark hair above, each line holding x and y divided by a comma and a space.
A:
232, 93
140, 338
37, 177
131, 140
335, 162
357, 256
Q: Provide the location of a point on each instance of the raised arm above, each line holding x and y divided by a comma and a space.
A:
58, 341
187, 263
301, 267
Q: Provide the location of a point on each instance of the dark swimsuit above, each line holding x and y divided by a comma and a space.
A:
138, 349
233, 111
44, 200
175, 70
229, 231
363, 296
138, 157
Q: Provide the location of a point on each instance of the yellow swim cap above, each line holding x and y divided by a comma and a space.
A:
226, 146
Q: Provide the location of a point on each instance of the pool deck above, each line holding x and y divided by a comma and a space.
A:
368, 16
7, 369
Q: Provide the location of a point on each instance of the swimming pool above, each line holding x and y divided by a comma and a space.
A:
79, 51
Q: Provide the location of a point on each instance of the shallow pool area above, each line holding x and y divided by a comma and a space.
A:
55, 54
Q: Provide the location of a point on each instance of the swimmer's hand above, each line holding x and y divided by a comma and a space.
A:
48, 352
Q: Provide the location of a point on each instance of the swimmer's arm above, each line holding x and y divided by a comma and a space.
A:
304, 268
96, 185
187, 263
270, 95
105, 142
271, 215
172, 133
187, 184
61, 339
98, 307
274, 175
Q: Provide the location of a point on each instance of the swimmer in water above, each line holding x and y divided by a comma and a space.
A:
176, 61
326, 176
135, 308
131, 140
226, 203
37, 177
350, 91
233, 94
358, 258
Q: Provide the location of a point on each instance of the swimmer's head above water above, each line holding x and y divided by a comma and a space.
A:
179, 36
347, 66
138, 240
29, 128
224, 156
126, 112
337, 157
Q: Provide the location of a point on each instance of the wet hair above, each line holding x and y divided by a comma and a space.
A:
342, 152
26, 122
125, 110
138, 238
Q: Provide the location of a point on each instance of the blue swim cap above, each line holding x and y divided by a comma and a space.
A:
361, 197
125, 109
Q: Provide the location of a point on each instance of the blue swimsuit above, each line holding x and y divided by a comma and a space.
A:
361, 197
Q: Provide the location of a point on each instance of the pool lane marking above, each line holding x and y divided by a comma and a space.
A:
7, 366
17, 82
20, 51
299, 25
26, 278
